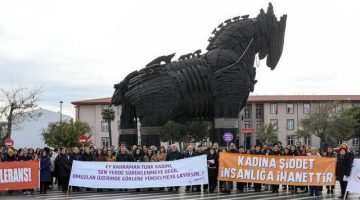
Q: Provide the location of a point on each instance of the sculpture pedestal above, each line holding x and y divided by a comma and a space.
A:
150, 136
129, 136
223, 125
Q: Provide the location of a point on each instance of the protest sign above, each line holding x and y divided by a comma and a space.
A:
354, 179
283, 170
190, 171
19, 175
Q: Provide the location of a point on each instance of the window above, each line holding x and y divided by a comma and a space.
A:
307, 108
355, 141
338, 108
105, 142
275, 123
341, 142
246, 113
290, 140
246, 124
258, 126
356, 104
273, 108
105, 107
290, 108
258, 113
307, 140
290, 124
104, 126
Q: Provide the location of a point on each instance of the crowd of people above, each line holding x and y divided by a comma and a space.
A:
55, 164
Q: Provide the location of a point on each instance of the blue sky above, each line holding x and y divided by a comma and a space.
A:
79, 49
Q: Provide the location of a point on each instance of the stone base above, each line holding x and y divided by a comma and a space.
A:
150, 136
129, 136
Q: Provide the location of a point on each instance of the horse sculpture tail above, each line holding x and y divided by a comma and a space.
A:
128, 111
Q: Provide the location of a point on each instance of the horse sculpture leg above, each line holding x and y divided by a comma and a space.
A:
231, 92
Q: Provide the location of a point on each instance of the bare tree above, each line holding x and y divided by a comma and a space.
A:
19, 104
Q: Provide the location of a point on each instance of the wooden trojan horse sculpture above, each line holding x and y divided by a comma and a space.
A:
213, 86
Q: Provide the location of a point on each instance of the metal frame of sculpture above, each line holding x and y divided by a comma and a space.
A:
212, 86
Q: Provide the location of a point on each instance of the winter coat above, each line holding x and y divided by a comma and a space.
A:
276, 153
75, 156
187, 154
99, 158
151, 158
64, 166
161, 156
87, 157
343, 166
138, 158
233, 151
8, 158
25, 158
257, 153
173, 155
293, 153
124, 157
45, 173
213, 166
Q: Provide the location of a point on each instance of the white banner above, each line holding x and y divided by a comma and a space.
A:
189, 171
354, 179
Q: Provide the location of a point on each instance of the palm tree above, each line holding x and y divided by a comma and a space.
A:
108, 116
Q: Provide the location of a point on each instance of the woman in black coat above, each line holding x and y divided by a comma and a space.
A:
213, 166
45, 174
343, 168
64, 169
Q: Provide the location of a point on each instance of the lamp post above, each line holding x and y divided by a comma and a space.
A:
61, 102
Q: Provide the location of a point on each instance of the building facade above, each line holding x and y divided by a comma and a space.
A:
284, 111
89, 111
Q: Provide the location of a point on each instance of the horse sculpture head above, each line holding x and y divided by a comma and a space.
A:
121, 88
273, 32
263, 35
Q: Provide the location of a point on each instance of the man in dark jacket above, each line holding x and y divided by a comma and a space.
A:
64, 169
25, 156
275, 152
173, 154
123, 155
257, 186
87, 155
190, 152
75, 155
226, 186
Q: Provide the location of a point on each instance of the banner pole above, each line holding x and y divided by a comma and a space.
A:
67, 193
346, 193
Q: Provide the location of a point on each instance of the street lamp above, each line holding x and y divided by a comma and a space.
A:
61, 102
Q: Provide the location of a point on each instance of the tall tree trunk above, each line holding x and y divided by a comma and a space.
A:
322, 144
10, 121
109, 125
